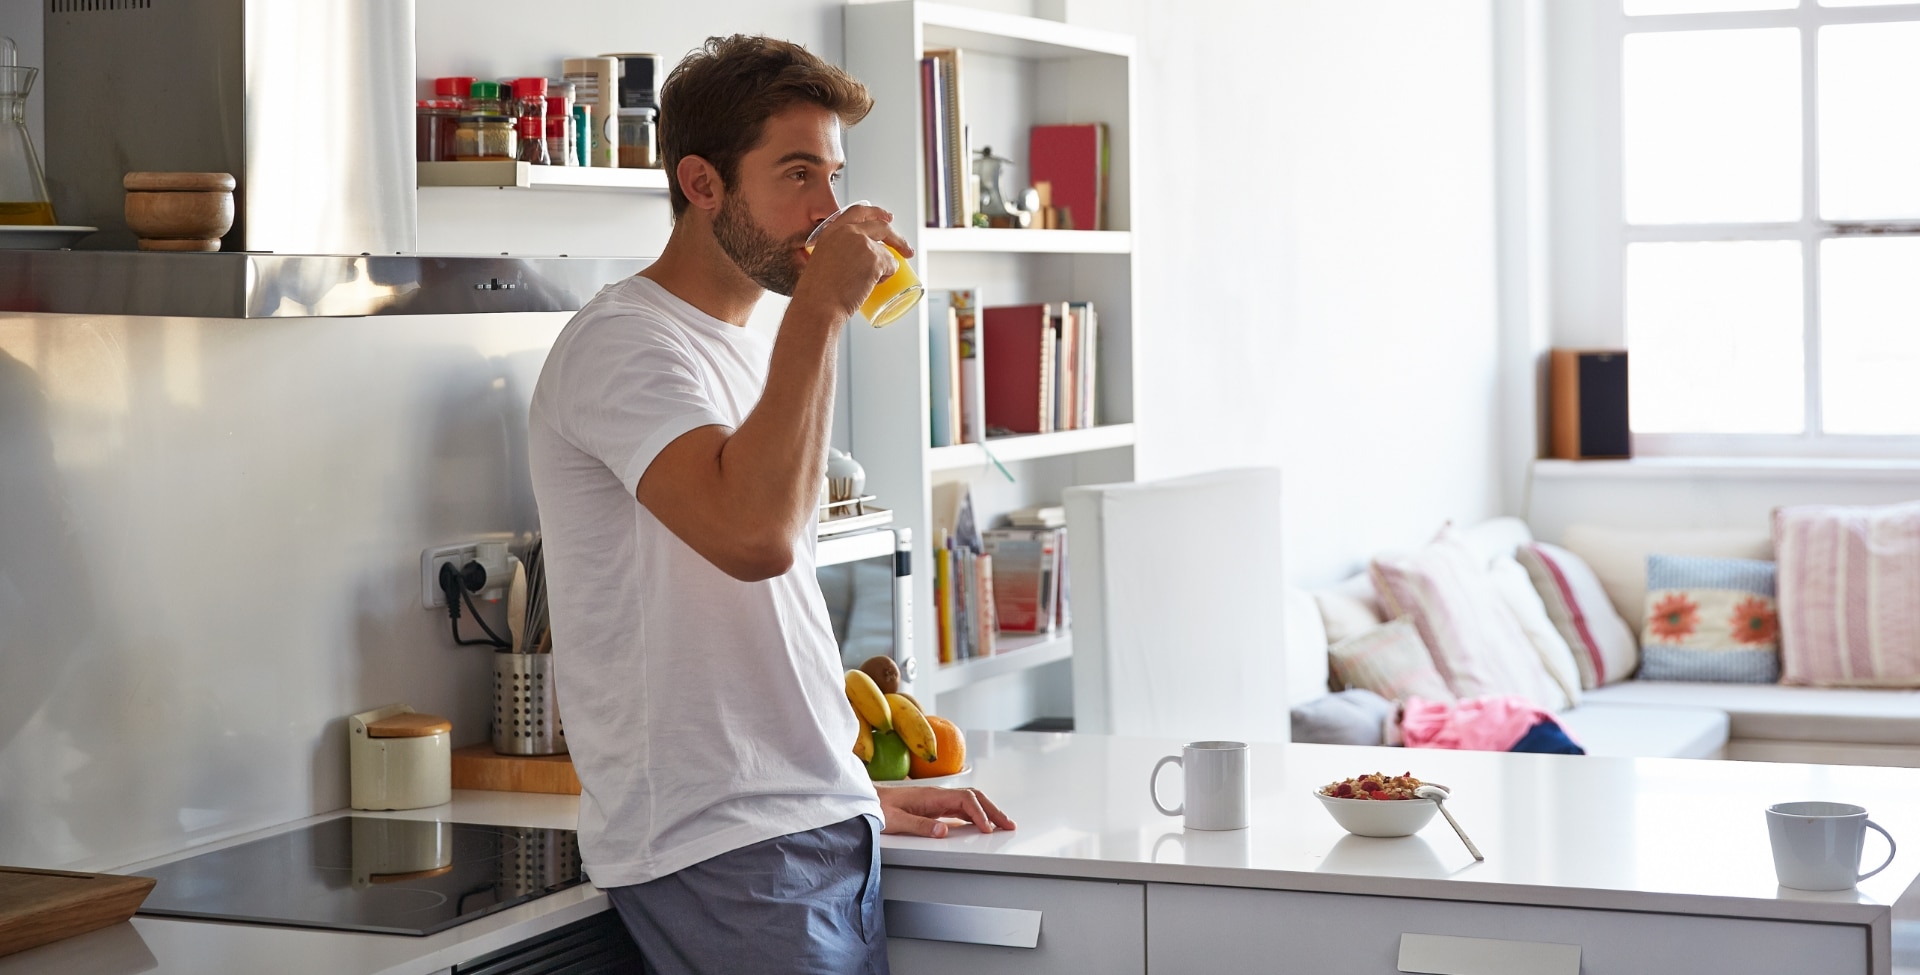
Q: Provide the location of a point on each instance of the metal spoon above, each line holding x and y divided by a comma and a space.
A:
1439, 797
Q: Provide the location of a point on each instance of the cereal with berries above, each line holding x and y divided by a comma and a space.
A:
1379, 785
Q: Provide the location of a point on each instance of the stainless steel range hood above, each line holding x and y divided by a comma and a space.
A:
309, 104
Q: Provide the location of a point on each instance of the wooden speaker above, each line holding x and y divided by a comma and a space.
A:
1588, 404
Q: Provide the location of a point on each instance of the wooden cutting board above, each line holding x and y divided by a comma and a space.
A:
38, 906
480, 767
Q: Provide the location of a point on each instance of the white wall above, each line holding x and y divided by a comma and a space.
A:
1315, 226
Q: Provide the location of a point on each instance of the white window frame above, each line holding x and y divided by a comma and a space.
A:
1585, 40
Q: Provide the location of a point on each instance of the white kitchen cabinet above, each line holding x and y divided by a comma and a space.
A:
1082, 925
1227, 931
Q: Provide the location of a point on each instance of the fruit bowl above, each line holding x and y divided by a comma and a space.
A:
940, 780
1378, 817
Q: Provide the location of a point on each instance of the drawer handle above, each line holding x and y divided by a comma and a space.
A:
1436, 954
965, 923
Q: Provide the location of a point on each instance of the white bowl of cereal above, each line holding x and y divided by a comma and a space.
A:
1377, 804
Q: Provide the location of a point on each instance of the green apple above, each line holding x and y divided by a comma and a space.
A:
889, 757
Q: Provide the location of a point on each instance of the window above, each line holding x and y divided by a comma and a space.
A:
1757, 174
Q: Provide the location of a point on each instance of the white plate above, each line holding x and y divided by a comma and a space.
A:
17, 237
954, 779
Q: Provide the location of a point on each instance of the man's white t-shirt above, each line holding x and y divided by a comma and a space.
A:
703, 713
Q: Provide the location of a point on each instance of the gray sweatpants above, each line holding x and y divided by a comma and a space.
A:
802, 903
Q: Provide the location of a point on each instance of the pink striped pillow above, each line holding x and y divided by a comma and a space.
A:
1849, 590
1477, 643
1603, 645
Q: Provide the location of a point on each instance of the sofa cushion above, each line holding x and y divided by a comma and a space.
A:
1604, 647
1619, 555
1390, 661
1710, 620
1781, 713
1633, 731
1517, 591
1351, 717
1477, 644
1849, 594
1305, 648
1349, 609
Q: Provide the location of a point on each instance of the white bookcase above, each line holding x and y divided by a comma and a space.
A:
1016, 72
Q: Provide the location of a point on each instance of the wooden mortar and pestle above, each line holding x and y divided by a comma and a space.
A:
179, 211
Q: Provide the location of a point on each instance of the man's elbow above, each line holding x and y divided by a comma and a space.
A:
761, 561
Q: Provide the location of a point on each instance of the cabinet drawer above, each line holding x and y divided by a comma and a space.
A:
1269, 931
942, 921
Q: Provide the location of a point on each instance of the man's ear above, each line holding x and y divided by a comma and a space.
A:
701, 183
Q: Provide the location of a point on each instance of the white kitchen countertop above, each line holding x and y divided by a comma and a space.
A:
1636, 834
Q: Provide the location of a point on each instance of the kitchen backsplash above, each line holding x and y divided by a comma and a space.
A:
210, 534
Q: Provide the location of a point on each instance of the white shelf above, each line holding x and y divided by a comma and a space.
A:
947, 25
1017, 653
1030, 447
505, 174
1000, 240
852, 548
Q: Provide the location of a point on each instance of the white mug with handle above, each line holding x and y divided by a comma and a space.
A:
1217, 792
1817, 845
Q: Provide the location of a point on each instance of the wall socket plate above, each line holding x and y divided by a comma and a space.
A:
490, 550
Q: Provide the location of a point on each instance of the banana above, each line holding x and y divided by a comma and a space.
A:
868, 703
913, 728
863, 742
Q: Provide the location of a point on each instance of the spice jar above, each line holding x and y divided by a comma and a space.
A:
485, 137
436, 119
455, 88
530, 114
484, 99
560, 150
637, 146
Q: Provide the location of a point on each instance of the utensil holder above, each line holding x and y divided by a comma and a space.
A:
526, 716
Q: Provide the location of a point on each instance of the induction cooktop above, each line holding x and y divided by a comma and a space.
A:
362, 873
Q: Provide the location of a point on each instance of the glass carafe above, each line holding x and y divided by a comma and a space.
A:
23, 185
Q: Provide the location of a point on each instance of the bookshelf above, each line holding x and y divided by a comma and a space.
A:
1016, 72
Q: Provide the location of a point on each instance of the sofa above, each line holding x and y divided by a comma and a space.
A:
1635, 717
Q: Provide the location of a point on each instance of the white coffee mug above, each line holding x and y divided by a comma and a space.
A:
1218, 795
1817, 845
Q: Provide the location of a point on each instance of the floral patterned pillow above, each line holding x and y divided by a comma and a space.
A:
1710, 620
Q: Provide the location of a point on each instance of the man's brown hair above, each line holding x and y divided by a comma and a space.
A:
719, 97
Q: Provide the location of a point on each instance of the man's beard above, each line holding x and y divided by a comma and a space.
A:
768, 262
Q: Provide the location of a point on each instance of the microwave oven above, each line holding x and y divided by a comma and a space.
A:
867, 582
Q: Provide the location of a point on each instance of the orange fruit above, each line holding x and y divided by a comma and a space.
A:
949, 744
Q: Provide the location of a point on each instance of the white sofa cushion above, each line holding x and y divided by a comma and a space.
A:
1349, 609
1634, 731
1780, 713
1516, 588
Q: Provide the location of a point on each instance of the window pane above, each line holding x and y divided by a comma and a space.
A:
1870, 335
1635, 8
1715, 335
1712, 126
1869, 144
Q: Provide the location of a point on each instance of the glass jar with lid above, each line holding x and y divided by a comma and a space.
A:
484, 99
482, 138
637, 139
530, 118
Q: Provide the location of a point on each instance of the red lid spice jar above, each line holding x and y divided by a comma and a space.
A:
530, 99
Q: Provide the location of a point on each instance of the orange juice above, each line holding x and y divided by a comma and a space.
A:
894, 296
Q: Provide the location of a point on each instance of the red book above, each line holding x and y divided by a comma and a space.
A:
1016, 354
1074, 159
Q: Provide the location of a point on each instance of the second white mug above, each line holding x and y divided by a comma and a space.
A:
1218, 794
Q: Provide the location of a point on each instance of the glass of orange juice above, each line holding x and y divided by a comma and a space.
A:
896, 294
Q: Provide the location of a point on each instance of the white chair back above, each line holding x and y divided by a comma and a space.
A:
1178, 598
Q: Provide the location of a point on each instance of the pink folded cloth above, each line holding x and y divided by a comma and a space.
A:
1484, 724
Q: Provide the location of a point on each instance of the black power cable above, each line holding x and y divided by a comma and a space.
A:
457, 586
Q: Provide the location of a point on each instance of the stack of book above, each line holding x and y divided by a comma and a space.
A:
953, 370
963, 594
944, 139
1030, 585
1039, 367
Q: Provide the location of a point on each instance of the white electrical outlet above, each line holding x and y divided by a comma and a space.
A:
490, 550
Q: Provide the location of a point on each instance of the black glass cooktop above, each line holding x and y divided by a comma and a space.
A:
359, 873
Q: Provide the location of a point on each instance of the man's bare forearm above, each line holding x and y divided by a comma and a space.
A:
772, 465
